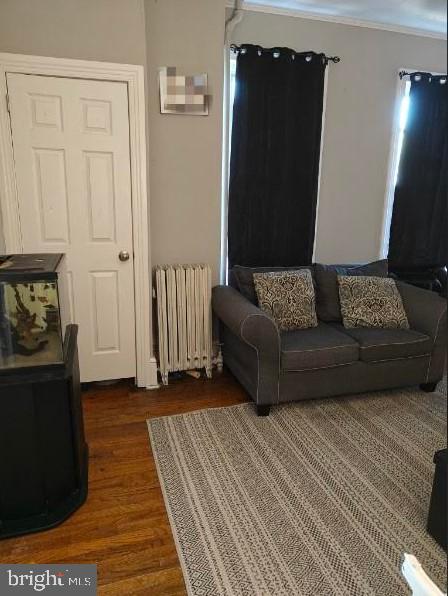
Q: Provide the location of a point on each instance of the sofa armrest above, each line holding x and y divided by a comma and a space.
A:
426, 310
256, 329
426, 313
245, 320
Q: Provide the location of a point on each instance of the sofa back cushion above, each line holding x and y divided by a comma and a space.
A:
327, 291
373, 302
288, 297
242, 278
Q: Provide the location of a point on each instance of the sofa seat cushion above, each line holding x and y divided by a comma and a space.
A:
388, 344
319, 347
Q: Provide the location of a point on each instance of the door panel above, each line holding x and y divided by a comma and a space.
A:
50, 191
71, 152
105, 310
99, 168
46, 111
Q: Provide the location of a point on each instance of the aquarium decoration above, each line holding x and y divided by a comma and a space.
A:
30, 318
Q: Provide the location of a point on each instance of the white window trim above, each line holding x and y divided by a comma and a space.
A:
392, 168
226, 141
133, 76
321, 155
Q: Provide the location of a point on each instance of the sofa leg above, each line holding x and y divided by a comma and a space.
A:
263, 410
428, 387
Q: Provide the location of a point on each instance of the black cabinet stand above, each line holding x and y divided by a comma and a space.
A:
43, 453
437, 508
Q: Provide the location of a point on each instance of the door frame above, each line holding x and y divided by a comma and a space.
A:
133, 76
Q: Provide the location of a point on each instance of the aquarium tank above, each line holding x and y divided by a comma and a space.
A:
31, 318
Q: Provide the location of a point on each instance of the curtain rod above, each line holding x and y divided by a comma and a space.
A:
236, 48
405, 73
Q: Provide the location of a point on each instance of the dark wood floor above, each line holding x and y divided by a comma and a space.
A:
123, 527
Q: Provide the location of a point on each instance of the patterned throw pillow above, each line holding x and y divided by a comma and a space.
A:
328, 307
371, 302
244, 278
288, 296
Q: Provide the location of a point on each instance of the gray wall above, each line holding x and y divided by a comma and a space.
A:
108, 30
104, 30
185, 151
358, 122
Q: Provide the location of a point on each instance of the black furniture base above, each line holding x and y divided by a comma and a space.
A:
43, 453
428, 387
49, 519
437, 507
263, 410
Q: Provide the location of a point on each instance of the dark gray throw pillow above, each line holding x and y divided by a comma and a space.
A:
328, 306
244, 278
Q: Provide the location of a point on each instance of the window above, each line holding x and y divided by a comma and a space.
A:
229, 90
274, 178
232, 87
404, 110
397, 146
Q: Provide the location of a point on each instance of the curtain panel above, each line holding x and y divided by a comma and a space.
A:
418, 233
275, 151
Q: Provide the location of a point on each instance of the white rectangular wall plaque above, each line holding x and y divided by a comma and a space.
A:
180, 94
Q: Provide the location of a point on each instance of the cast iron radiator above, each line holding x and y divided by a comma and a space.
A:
184, 318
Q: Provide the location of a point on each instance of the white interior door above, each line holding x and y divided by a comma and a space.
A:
71, 153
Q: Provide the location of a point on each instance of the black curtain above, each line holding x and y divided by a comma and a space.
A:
418, 233
274, 165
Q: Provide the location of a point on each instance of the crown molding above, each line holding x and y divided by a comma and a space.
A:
340, 20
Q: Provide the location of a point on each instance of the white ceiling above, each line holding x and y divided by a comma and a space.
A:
425, 16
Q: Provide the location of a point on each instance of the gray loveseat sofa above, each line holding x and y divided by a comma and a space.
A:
328, 360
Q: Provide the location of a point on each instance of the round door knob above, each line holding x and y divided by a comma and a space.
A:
123, 255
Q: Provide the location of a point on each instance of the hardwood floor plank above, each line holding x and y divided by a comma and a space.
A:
167, 582
123, 526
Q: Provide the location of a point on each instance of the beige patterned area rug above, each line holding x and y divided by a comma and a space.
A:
321, 498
